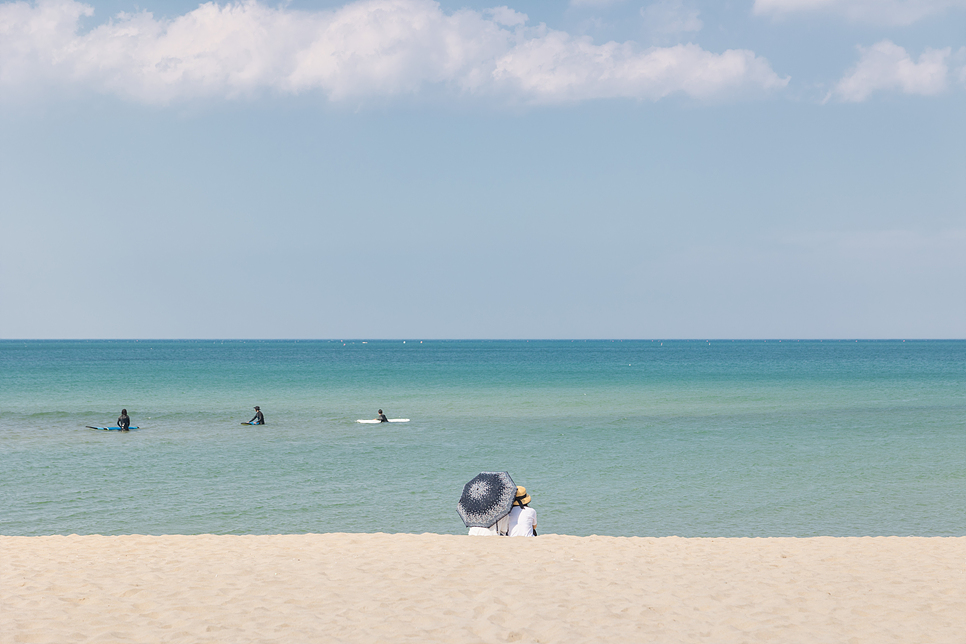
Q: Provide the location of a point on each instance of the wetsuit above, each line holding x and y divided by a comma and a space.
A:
383, 419
258, 419
124, 422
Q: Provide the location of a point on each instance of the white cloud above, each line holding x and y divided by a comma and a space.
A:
894, 12
506, 16
886, 66
559, 67
367, 48
671, 17
593, 3
960, 59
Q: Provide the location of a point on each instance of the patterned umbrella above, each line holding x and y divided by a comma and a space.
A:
486, 499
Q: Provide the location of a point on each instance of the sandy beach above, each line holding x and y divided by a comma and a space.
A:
443, 588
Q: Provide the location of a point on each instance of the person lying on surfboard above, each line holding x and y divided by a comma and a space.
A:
258, 418
124, 421
382, 417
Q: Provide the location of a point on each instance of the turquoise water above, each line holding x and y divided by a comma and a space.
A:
641, 438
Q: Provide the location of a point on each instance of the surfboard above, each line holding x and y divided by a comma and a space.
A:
391, 420
251, 423
108, 429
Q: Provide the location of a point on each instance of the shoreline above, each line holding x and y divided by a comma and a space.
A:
362, 587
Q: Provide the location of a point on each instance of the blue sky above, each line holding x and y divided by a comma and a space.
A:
411, 169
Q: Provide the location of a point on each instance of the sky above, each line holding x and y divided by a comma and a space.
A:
416, 169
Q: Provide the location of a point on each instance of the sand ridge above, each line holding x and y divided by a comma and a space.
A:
446, 588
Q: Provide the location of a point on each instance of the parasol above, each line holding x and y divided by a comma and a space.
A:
486, 499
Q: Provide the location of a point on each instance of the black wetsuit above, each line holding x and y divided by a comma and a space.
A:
259, 419
124, 422
383, 419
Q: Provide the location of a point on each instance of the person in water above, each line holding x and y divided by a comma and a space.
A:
124, 421
382, 417
258, 418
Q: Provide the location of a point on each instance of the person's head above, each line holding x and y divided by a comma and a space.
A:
124, 412
256, 407
380, 411
522, 498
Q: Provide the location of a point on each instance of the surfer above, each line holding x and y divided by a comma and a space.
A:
258, 418
124, 421
382, 417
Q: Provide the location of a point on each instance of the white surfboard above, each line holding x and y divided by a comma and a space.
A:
391, 420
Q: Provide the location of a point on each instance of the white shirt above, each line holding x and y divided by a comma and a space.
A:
522, 521
498, 528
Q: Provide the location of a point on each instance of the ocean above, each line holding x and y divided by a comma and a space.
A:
624, 438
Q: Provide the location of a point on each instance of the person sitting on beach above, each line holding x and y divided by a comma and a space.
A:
382, 417
523, 519
498, 529
124, 421
258, 418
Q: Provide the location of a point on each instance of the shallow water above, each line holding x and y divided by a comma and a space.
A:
620, 438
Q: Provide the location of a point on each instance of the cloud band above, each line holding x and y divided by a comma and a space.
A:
365, 49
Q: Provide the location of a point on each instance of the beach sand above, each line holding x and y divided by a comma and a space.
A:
444, 588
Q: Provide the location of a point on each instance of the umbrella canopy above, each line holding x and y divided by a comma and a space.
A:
486, 499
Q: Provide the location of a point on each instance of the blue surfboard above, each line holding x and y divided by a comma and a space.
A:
109, 429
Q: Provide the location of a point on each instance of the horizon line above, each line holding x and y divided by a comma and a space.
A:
416, 339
